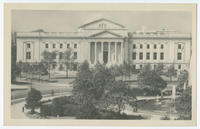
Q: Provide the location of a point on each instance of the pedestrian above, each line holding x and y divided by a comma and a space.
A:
23, 109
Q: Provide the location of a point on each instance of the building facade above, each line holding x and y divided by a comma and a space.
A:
109, 43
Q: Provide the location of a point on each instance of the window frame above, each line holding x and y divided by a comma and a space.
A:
179, 46
141, 55
155, 56
61, 45
179, 56
141, 46
148, 46
28, 55
134, 56
155, 46
75, 57
162, 55
46, 45
28, 45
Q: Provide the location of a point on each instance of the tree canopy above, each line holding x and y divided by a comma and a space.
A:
150, 79
33, 99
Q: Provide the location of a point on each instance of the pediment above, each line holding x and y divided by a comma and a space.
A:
102, 24
106, 34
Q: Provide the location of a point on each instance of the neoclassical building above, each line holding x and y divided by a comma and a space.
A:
108, 42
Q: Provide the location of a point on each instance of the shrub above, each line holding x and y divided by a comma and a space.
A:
70, 109
87, 112
62, 106
46, 109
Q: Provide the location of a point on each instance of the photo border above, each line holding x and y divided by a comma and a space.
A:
8, 7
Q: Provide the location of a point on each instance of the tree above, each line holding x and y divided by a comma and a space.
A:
83, 85
15, 71
128, 69
171, 72
114, 71
183, 105
41, 70
151, 80
68, 59
183, 79
48, 60
20, 66
33, 99
117, 96
159, 68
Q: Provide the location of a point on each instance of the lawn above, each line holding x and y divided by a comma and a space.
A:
60, 86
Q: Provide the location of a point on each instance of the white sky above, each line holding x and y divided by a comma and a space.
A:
69, 21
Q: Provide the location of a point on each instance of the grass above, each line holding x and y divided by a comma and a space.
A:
60, 86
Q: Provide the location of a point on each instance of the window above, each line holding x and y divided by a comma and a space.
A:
75, 45
154, 55
147, 55
68, 45
140, 66
179, 46
141, 46
148, 46
155, 46
54, 45
61, 45
134, 55
179, 66
161, 46
134, 46
28, 45
161, 55
60, 55
179, 56
75, 55
47, 45
141, 56
28, 55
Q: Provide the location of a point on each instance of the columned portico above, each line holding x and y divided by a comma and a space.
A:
106, 52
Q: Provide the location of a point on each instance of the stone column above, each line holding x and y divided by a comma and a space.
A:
115, 52
121, 52
101, 52
95, 53
109, 52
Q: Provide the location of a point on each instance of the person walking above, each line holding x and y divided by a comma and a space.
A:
23, 109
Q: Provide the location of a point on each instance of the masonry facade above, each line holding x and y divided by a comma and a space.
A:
109, 43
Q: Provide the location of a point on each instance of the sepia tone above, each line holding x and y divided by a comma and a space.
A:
100, 69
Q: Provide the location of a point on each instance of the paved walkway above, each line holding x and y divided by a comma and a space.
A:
16, 109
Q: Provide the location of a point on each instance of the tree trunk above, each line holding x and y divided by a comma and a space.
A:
161, 93
32, 110
49, 72
66, 71
170, 78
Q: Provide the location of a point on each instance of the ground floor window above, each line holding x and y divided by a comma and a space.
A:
179, 66
28, 55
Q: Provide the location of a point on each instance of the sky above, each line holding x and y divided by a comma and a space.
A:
69, 21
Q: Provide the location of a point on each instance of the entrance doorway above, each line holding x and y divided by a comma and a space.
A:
105, 57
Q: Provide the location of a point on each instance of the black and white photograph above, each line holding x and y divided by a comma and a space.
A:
102, 65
